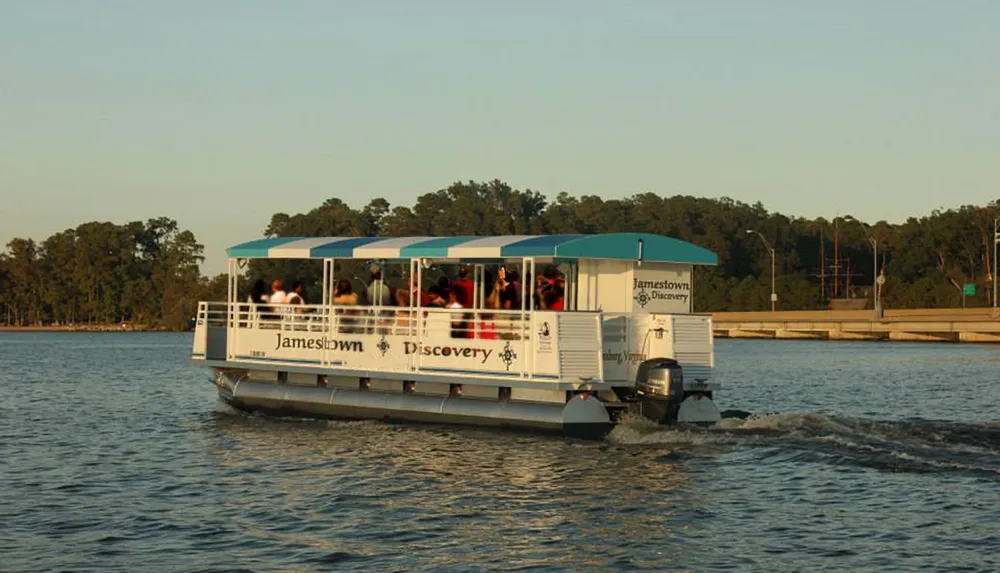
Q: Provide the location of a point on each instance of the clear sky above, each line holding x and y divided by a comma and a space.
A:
219, 114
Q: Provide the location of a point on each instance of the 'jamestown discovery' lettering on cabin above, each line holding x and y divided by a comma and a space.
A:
457, 351
319, 343
645, 291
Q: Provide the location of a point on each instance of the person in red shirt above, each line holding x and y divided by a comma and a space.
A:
466, 286
552, 292
415, 290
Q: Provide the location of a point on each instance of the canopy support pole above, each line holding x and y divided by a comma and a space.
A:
527, 358
231, 311
327, 314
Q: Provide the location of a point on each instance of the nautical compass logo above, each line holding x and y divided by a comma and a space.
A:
383, 345
507, 355
642, 297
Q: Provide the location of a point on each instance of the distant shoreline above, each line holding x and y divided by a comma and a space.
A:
86, 328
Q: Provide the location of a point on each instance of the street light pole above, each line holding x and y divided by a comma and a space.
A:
996, 238
774, 294
876, 294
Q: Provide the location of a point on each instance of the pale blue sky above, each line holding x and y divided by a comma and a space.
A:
219, 114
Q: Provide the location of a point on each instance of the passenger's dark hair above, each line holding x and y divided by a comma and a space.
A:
509, 294
456, 290
376, 275
343, 286
463, 273
296, 285
259, 290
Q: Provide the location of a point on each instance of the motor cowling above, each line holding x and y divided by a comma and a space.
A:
659, 385
660, 389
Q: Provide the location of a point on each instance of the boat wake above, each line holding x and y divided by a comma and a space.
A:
906, 446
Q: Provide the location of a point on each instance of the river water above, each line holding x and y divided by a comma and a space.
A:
115, 455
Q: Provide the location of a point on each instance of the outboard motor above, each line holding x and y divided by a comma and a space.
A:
660, 389
659, 385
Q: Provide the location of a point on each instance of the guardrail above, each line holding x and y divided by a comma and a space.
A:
854, 329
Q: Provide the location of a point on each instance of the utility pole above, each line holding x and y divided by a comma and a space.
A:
774, 293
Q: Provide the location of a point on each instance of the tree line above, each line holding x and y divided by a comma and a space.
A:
148, 272
140, 272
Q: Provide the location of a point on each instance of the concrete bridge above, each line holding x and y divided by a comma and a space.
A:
922, 325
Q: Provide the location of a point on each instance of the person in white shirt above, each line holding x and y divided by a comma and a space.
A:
277, 295
459, 327
295, 297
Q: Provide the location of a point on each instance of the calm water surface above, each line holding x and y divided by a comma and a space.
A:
116, 456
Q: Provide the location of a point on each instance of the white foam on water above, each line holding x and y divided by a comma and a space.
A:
943, 464
642, 431
781, 422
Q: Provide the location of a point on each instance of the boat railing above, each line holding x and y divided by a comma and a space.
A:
212, 314
460, 323
543, 345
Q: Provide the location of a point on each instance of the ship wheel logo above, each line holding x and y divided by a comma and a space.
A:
642, 297
508, 356
383, 345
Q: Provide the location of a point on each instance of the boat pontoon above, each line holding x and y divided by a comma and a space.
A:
623, 340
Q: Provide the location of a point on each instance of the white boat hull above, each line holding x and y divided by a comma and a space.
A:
582, 415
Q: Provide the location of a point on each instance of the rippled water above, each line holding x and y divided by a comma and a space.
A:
116, 456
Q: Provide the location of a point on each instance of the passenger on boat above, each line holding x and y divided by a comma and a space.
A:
257, 296
343, 295
459, 320
275, 300
437, 297
277, 295
502, 297
377, 293
295, 297
510, 323
415, 290
486, 326
258, 293
403, 312
552, 299
444, 283
514, 279
550, 289
467, 285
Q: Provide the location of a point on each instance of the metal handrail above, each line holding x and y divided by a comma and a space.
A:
419, 323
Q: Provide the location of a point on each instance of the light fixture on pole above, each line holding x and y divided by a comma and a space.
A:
774, 294
996, 238
877, 279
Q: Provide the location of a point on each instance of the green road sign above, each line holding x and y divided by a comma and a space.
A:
969, 289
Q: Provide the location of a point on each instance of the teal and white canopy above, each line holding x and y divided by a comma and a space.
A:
614, 246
